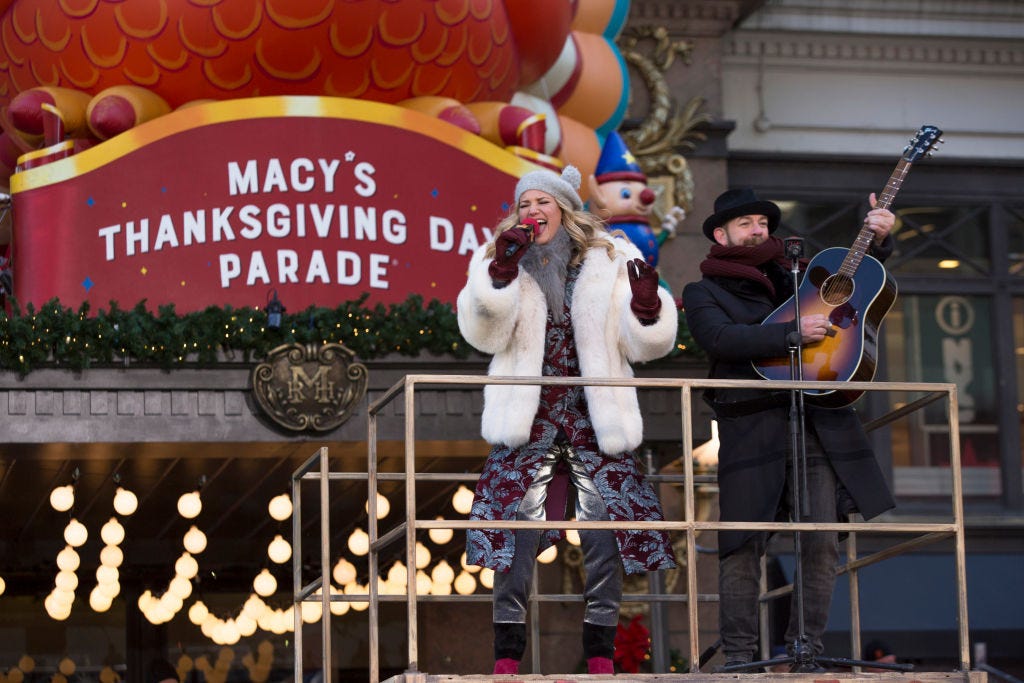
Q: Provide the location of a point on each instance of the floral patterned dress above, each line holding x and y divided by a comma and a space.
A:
508, 472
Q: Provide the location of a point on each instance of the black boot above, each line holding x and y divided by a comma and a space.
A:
599, 648
509, 641
598, 641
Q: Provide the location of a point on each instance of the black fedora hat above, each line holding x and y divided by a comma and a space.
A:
740, 202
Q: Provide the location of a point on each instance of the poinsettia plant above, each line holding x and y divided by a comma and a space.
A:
632, 645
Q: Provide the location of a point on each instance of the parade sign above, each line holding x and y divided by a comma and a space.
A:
318, 200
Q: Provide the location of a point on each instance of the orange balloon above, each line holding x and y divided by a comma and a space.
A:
580, 147
600, 91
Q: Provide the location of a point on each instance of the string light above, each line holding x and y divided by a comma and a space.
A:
125, 502
280, 507
194, 541
279, 550
75, 533
462, 500
190, 505
112, 532
359, 542
62, 498
440, 536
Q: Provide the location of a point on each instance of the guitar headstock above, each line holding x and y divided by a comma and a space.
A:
923, 143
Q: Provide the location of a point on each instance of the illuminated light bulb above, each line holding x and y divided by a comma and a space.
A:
26, 664
197, 612
279, 550
66, 581
229, 632
311, 612
422, 556
246, 626
208, 625
398, 574
280, 507
487, 578
548, 556
3, 585
186, 566
180, 587
111, 556
145, 600
465, 584
111, 590
125, 502
56, 609
99, 601
383, 506
62, 597
105, 574
285, 621
194, 541
442, 573
158, 614
75, 533
112, 532
471, 568
62, 498
440, 536
171, 602
264, 584
344, 572
440, 588
423, 583
573, 536
357, 589
462, 500
339, 607
67, 559
190, 505
254, 606
359, 542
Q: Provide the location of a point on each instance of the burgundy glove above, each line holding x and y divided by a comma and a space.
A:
643, 280
510, 246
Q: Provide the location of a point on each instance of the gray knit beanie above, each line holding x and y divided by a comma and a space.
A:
565, 187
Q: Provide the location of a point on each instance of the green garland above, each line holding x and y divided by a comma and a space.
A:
55, 336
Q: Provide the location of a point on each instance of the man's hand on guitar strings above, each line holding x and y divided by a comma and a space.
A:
879, 221
814, 328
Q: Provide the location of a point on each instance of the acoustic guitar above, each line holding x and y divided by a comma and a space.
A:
854, 291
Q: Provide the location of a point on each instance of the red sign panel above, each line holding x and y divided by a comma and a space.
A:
320, 199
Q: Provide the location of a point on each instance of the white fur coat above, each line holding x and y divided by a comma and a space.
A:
510, 322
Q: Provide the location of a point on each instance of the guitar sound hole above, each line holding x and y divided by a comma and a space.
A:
837, 290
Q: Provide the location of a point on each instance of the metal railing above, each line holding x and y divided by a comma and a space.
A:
317, 468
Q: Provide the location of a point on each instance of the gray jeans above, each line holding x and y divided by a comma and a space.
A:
740, 571
602, 590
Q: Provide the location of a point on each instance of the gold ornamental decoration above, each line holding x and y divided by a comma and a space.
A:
311, 387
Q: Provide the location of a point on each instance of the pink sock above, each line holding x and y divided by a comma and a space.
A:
600, 665
506, 667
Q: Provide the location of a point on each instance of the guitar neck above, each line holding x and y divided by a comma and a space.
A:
864, 238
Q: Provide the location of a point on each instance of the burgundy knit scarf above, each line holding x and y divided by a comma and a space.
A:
743, 262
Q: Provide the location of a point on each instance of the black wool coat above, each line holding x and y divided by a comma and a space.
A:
724, 316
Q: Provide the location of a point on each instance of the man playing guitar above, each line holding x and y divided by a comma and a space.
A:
746, 276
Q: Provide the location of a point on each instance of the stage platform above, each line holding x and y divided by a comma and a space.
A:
828, 677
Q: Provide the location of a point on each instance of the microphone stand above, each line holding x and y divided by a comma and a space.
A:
802, 655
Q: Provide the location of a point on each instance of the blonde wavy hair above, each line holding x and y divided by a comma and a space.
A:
584, 229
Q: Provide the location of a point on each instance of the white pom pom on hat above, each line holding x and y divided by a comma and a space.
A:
565, 187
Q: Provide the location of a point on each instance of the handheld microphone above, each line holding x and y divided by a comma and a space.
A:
529, 225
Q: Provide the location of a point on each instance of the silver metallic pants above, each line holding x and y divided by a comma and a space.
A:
602, 588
